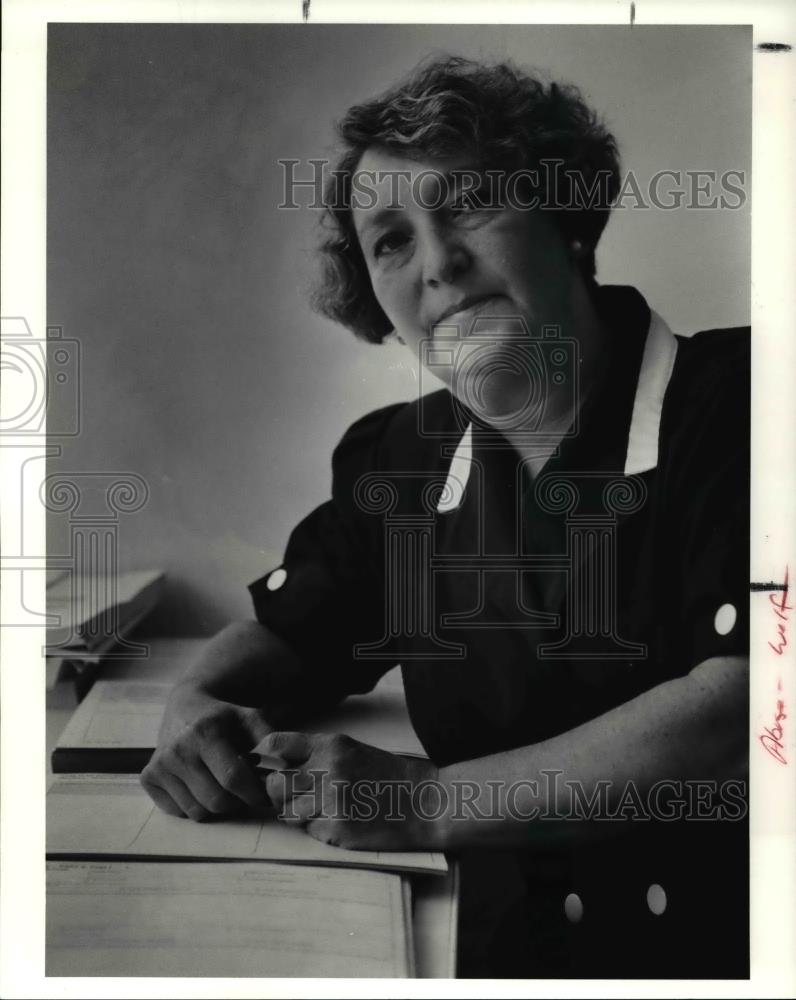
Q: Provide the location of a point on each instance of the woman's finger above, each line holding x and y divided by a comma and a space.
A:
179, 793
162, 799
292, 748
205, 789
282, 786
298, 811
234, 775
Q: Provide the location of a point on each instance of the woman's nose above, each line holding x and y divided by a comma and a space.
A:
444, 258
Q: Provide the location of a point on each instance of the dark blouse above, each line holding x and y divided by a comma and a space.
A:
520, 608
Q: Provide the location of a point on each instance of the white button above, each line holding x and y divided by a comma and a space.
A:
725, 619
276, 579
573, 907
656, 899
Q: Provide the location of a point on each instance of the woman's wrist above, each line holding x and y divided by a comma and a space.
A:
489, 812
460, 820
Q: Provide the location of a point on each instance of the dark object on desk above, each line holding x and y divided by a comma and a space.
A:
117, 760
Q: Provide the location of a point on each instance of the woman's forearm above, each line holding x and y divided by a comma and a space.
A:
694, 727
247, 664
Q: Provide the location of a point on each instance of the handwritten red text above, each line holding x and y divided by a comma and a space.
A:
781, 608
772, 737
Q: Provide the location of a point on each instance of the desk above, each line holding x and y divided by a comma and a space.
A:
435, 897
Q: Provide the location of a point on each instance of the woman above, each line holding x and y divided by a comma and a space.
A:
554, 548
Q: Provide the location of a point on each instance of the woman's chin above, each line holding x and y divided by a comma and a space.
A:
500, 401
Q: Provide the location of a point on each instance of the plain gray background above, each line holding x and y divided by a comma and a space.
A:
203, 368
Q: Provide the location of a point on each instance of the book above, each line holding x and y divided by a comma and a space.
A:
225, 919
115, 729
95, 816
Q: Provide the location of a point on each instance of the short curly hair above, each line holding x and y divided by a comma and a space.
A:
498, 116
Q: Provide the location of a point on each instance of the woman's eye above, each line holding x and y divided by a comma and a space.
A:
389, 243
472, 200
466, 203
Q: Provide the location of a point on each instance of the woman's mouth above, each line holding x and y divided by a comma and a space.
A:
468, 308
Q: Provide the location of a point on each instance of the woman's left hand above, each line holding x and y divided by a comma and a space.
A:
352, 795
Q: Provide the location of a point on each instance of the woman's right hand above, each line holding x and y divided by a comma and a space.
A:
200, 768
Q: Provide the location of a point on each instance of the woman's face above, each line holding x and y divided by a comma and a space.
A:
455, 263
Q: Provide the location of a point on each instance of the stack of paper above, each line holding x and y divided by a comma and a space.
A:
134, 891
104, 815
115, 728
171, 919
294, 908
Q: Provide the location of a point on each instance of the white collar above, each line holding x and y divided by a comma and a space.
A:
657, 365
458, 474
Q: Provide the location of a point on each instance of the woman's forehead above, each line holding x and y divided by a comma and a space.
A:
384, 179
380, 159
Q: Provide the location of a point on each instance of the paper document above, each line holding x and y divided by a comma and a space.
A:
118, 714
173, 919
111, 815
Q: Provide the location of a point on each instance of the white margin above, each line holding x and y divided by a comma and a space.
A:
773, 484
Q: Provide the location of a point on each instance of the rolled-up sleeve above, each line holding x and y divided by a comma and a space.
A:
327, 595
